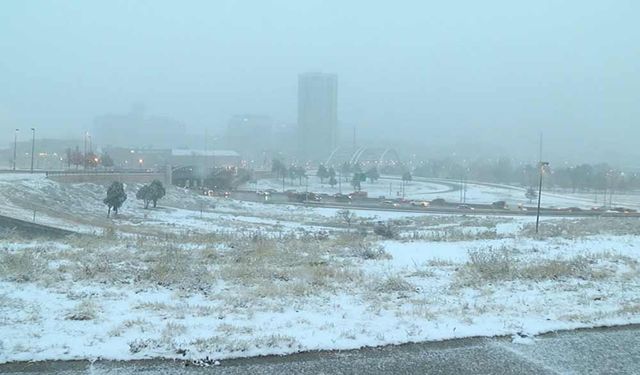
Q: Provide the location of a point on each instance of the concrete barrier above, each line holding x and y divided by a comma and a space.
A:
31, 229
107, 178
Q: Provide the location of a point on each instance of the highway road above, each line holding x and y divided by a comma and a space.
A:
592, 351
396, 206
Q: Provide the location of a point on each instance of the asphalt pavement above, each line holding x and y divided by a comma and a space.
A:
377, 204
593, 351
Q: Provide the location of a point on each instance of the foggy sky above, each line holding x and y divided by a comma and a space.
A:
449, 76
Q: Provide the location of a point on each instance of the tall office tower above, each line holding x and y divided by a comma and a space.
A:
317, 115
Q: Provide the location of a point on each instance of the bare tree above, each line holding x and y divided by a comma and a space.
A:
346, 216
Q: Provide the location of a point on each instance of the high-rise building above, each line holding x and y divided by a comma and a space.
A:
317, 115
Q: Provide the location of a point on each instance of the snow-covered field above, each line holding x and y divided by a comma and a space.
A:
203, 277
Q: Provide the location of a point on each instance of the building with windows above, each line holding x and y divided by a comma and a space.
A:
317, 115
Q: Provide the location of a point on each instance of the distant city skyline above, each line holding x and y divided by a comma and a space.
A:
450, 78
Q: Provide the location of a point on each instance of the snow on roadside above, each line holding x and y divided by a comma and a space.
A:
424, 302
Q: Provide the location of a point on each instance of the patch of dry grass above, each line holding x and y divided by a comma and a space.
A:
574, 228
394, 284
503, 264
23, 265
85, 310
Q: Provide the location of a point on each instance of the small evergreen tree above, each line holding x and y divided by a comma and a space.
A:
322, 173
156, 192
373, 174
345, 169
531, 194
300, 173
115, 197
151, 193
331, 172
355, 181
332, 181
406, 177
106, 160
76, 158
144, 195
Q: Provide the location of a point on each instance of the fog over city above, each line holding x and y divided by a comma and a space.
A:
466, 78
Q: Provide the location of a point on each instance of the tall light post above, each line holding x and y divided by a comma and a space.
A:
15, 147
306, 189
33, 146
84, 151
543, 164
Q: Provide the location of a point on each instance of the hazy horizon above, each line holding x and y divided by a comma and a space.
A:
461, 77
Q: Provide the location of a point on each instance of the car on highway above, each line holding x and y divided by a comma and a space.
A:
465, 207
624, 210
313, 197
359, 194
390, 203
420, 203
344, 198
213, 193
500, 205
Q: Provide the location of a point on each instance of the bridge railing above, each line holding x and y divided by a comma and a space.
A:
103, 172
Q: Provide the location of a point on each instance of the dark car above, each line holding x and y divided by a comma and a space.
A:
501, 205
343, 198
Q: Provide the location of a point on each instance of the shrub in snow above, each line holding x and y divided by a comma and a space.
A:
137, 345
386, 230
395, 284
23, 266
490, 265
368, 250
85, 310
173, 266
346, 216
568, 228
576, 267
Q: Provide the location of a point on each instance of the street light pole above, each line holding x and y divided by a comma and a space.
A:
33, 146
542, 165
15, 147
84, 152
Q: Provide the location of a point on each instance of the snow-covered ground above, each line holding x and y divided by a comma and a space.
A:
202, 277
